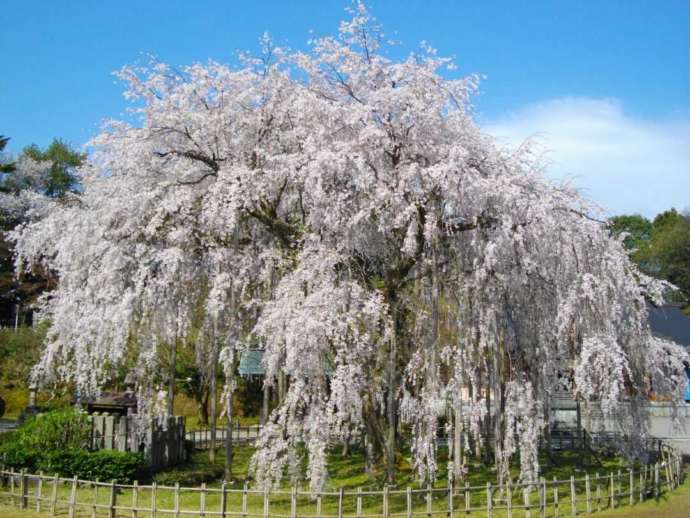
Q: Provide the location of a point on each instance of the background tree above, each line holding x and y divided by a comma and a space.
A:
638, 230
59, 178
661, 247
6, 166
35, 174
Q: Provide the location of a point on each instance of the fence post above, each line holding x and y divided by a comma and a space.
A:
12, 499
598, 493
451, 505
202, 501
153, 500
267, 503
72, 497
111, 504
340, 504
244, 500
489, 500
293, 502
359, 502
526, 499
53, 496
542, 499
656, 481
509, 503
642, 484
94, 502
318, 505
467, 499
39, 492
135, 499
612, 491
176, 501
429, 501
557, 511
573, 497
631, 484
385, 503
23, 490
224, 498
588, 494
408, 502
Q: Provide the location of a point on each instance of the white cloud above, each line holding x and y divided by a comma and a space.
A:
622, 163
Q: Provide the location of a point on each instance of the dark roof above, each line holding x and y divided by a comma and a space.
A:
670, 322
114, 399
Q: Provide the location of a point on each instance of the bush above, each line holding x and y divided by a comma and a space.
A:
14, 455
57, 442
57, 430
105, 465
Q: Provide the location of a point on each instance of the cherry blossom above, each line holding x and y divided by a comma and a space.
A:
341, 210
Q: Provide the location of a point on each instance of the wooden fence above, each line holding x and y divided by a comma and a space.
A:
162, 442
569, 497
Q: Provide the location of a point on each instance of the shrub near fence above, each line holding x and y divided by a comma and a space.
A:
568, 497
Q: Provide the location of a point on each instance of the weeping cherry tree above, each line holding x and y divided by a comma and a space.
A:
409, 277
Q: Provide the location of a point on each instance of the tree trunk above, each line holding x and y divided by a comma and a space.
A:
282, 387
214, 397
228, 438
391, 406
458, 454
202, 405
171, 379
265, 404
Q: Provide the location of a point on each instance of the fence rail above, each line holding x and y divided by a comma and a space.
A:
566, 497
202, 438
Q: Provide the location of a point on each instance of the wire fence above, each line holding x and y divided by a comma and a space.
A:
546, 498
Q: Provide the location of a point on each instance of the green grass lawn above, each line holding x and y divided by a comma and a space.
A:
671, 505
347, 473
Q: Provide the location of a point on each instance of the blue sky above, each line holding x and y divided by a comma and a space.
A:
603, 86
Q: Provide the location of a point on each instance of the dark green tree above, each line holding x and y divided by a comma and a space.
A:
669, 252
5, 166
60, 177
660, 247
55, 180
638, 230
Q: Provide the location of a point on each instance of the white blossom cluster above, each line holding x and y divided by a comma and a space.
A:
343, 209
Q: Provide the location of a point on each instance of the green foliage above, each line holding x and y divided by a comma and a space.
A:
14, 455
5, 166
661, 247
669, 252
45, 434
20, 349
637, 227
60, 178
57, 442
105, 465
62, 429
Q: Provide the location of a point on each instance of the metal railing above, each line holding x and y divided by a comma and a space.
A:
202, 437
